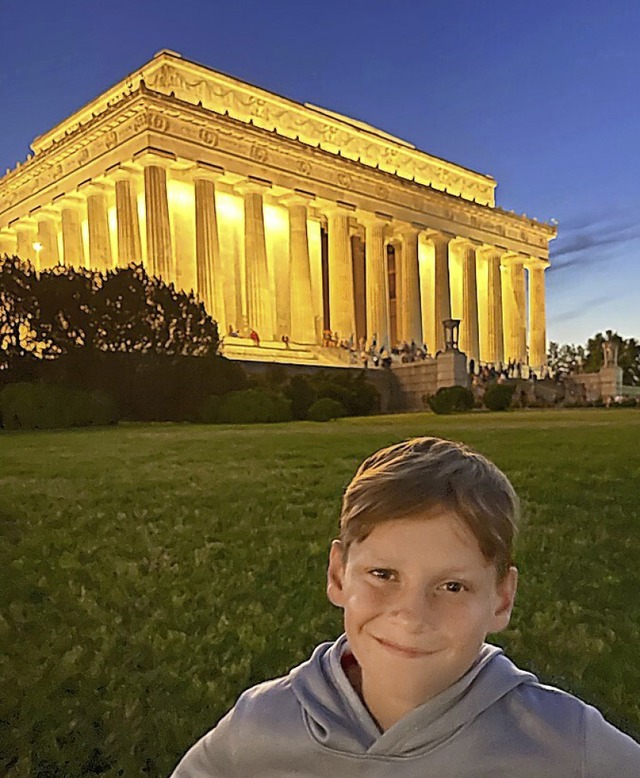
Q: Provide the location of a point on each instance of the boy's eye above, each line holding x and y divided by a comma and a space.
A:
382, 574
455, 587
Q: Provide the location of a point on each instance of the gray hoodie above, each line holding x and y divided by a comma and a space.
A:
495, 722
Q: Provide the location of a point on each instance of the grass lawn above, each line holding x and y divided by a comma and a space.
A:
152, 572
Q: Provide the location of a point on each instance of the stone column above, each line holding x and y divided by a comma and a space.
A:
209, 270
100, 255
261, 313
303, 328
537, 316
26, 240
520, 287
342, 312
377, 294
48, 238
129, 244
408, 302
73, 250
158, 226
469, 335
513, 287
494, 316
8, 242
442, 287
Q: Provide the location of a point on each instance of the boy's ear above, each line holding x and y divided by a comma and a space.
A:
506, 590
335, 575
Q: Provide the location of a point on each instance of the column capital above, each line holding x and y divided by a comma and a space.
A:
535, 263
253, 185
297, 197
339, 207
91, 187
122, 171
47, 212
510, 258
461, 242
440, 238
68, 200
374, 218
151, 156
486, 251
408, 229
207, 172
23, 224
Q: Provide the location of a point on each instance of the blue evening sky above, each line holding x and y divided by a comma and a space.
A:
544, 96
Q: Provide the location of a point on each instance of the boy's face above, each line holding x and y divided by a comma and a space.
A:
419, 599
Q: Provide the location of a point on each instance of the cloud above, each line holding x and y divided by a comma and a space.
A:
584, 232
577, 311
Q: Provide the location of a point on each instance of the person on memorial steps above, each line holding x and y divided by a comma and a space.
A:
423, 572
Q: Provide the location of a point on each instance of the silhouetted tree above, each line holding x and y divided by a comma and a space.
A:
46, 314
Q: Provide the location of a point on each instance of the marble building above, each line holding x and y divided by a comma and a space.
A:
283, 217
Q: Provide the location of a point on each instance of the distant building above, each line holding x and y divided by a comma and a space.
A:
284, 218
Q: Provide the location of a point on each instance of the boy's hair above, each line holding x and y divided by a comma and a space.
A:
424, 475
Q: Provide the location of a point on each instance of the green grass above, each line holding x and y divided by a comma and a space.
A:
150, 573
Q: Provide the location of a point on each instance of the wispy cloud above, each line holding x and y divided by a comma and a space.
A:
578, 310
579, 236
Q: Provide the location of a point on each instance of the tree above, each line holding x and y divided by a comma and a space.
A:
566, 358
47, 314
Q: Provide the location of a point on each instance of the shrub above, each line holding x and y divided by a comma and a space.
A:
452, 399
247, 406
498, 397
146, 387
51, 406
301, 394
325, 409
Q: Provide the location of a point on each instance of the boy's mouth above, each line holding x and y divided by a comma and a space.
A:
411, 653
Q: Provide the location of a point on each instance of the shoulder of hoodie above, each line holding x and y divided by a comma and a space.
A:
553, 712
236, 739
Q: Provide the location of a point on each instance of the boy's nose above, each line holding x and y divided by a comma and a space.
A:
413, 610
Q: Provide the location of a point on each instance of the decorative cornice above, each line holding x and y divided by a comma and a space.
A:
162, 119
172, 75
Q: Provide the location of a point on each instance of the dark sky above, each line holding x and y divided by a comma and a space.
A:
544, 96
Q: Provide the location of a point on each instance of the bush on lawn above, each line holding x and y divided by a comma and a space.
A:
452, 399
247, 406
50, 406
302, 395
498, 397
326, 409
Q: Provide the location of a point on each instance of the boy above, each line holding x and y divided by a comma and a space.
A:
423, 572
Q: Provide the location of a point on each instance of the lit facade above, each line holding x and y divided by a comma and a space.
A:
283, 217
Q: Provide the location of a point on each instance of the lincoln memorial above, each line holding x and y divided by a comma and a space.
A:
284, 218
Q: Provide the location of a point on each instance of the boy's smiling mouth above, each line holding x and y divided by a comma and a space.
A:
411, 653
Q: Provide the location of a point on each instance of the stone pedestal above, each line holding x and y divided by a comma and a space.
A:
452, 368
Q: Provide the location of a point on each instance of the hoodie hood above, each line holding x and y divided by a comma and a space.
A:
338, 719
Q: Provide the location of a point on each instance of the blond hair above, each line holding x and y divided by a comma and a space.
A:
423, 476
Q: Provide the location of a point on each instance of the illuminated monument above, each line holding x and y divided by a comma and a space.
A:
285, 218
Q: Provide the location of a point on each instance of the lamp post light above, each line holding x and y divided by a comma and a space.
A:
451, 334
